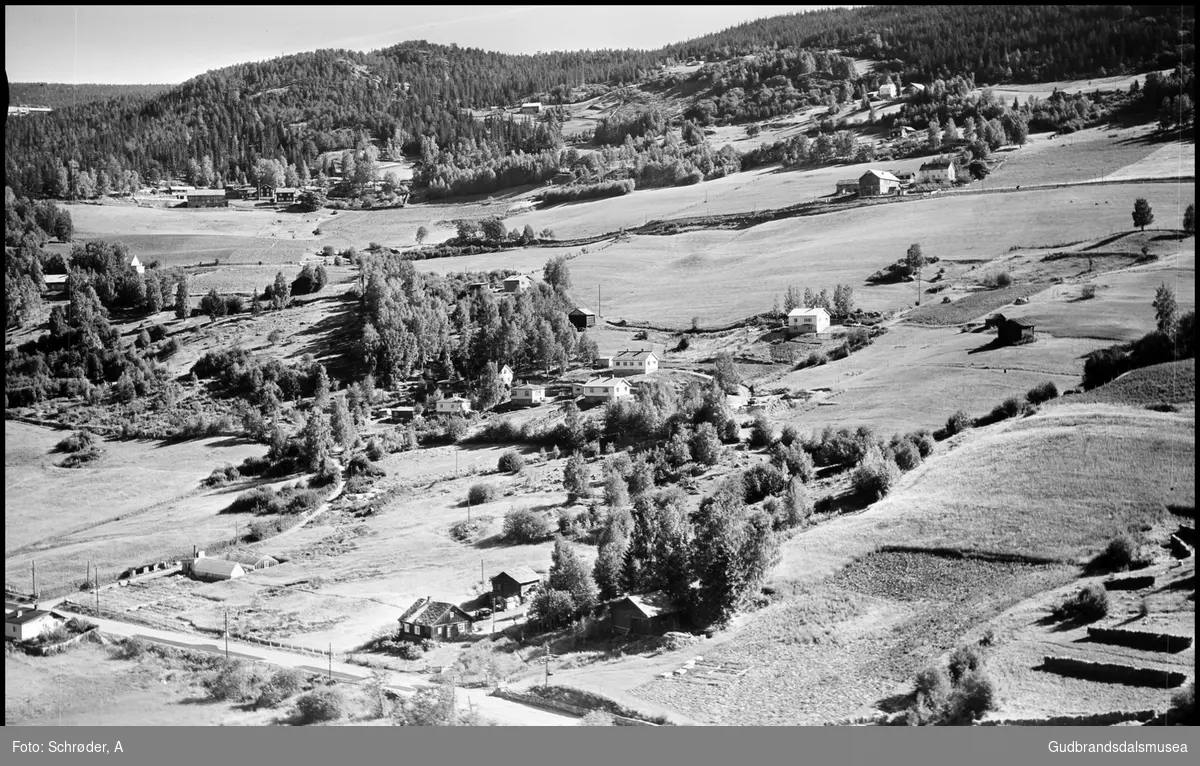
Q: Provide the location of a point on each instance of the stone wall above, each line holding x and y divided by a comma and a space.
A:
1110, 673
1140, 639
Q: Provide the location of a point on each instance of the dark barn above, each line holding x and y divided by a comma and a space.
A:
646, 614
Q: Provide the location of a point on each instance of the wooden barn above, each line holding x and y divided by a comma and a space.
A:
427, 618
1014, 331
207, 198
516, 583
582, 318
876, 183
847, 186
646, 614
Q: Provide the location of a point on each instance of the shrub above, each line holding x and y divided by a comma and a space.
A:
321, 705
1118, 556
597, 718
964, 660
876, 475
1183, 706
789, 435
932, 693
234, 682
761, 432
222, 476
406, 650
78, 442
906, 455
975, 695
923, 440
511, 462
282, 684
957, 423
1042, 392
522, 525
482, 493
1088, 292
1089, 604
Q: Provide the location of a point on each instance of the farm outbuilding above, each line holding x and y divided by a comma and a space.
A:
252, 561
205, 568
55, 283
517, 284
531, 107
901, 131
807, 321
208, 198
847, 186
875, 183
1013, 331
582, 318
646, 614
528, 394
516, 583
427, 618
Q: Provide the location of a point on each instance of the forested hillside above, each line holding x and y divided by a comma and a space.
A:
413, 97
57, 95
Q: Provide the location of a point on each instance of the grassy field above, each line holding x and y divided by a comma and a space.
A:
138, 502
1058, 484
971, 307
1101, 152
1167, 160
723, 276
1170, 383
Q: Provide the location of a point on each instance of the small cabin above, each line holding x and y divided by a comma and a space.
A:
582, 318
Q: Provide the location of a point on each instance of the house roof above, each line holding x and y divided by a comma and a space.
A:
286, 189
529, 387
604, 381
54, 279
848, 182
653, 604
882, 174
522, 575
206, 565
583, 310
938, 164
1021, 322
206, 192
803, 312
457, 399
636, 354
251, 559
24, 617
517, 278
426, 611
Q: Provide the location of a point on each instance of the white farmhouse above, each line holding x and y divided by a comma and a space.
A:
940, 171
636, 362
506, 375
24, 623
814, 320
602, 389
455, 405
528, 394
887, 90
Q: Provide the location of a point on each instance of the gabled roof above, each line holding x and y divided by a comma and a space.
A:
426, 611
523, 575
604, 381
1021, 322
206, 192
653, 604
251, 559
206, 565
938, 164
457, 399
882, 174
286, 189
803, 312
518, 278
583, 310
27, 616
848, 182
637, 355
529, 387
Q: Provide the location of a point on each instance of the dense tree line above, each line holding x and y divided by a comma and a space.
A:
57, 95
296, 108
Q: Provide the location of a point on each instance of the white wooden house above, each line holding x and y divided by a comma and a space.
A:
455, 405
528, 394
807, 321
602, 389
635, 362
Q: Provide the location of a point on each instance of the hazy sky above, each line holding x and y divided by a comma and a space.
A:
169, 44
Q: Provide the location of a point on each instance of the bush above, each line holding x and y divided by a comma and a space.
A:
282, 684
597, 718
964, 660
1119, 556
975, 696
482, 493
1043, 392
957, 423
321, 705
923, 440
78, 442
406, 650
1087, 605
876, 475
234, 682
761, 432
1088, 292
522, 525
511, 462
789, 435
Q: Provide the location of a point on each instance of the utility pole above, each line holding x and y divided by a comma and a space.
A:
33, 570
227, 634
468, 501
599, 310
331, 660
482, 579
96, 591
547, 681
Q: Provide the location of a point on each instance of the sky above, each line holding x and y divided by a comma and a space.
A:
169, 44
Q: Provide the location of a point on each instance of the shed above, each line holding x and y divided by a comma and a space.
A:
55, 283
531, 107
427, 618
582, 318
1012, 331
646, 614
516, 583
205, 568
847, 186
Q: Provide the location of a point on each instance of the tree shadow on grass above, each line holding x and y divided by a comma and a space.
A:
849, 501
896, 702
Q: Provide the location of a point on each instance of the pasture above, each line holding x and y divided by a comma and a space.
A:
1170, 383
1102, 152
724, 276
139, 502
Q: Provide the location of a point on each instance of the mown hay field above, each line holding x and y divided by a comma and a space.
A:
724, 276
1101, 152
1169, 383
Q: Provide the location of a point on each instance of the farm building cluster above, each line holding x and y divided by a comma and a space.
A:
937, 173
